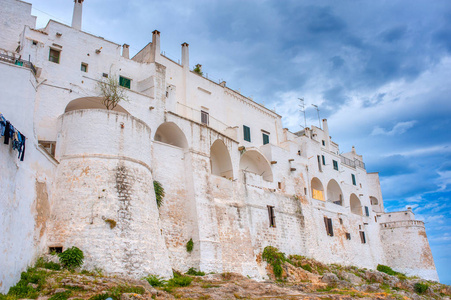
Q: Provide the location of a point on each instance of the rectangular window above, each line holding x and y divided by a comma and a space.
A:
353, 179
204, 117
324, 142
125, 82
265, 139
335, 164
319, 163
247, 133
54, 55
348, 236
324, 160
272, 216
362, 237
367, 211
84, 67
329, 228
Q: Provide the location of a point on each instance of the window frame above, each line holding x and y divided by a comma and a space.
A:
362, 237
272, 216
335, 164
323, 159
354, 181
329, 226
123, 79
204, 117
51, 57
367, 211
265, 137
319, 163
246, 133
84, 65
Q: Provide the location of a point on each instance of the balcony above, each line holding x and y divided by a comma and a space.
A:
405, 223
18, 62
352, 163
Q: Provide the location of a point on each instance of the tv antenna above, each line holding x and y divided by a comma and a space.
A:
319, 120
302, 106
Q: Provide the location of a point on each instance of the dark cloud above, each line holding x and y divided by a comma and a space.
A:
394, 34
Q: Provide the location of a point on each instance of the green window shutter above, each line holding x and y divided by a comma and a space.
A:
324, 160
367, 211
124, 82
335, 164
265, 139
247, 133
353, 179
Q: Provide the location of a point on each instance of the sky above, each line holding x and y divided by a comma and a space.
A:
379, 71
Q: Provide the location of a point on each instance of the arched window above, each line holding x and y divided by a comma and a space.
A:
253, 161
374, 201
356, 206
317, 189
170, 133
90, 103
221, 164
334, 193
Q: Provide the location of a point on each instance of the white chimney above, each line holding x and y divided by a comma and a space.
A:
125, 51
77, 16
185, 55
155, 47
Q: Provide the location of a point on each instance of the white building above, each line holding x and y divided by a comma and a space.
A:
235, 179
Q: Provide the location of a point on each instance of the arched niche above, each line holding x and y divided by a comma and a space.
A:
220, 161
374, 200
356, 206
253, 161
90, 103
317, 189
170, 133
334, 193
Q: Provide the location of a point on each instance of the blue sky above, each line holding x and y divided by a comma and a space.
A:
380, 71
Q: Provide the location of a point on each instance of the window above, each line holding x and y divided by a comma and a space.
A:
204, 117
48, 146
247, 133
323, 142
272, 217
54, 56
279, 185
55, 250
362, 237
329, 228
335, 164
353, 179
305, 191
367, 211
324, 160
348, 236
319, 163
84, 67
35, 43
265, 139
341, 221
105, 75
125, 82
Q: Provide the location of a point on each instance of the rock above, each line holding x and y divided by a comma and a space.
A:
330, 279
143, 283
33, 285
374, 276
375, 287
59, 290
131, 296
352, 278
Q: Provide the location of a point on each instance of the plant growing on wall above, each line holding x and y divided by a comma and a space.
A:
190, 245
71, 258
111, 91
198, 69
159, 193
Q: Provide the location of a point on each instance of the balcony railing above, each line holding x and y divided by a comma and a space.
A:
405, 223
352, 163
18, 62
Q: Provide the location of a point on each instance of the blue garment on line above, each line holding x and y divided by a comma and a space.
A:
2, 125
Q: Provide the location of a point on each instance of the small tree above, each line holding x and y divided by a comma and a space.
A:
198, 69
111, 91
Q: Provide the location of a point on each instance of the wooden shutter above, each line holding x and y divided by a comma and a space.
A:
247, 133
367, 211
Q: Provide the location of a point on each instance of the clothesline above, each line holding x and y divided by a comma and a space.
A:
10, 133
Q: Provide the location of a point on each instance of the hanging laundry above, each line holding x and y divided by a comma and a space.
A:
2, 125
10, 133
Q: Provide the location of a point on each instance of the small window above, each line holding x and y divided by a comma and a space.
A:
329, 228
323, 142
375, 219
362, 237
348, 236
125, 82
84, 67
48, 146
353, 179
341, 221
54, 56
55, 250
319, 163
105, 75
335, 164
35, 43
247, 133
279, 185
205, 118
265, 139
367, 211
324, 160
305, 191
272, 216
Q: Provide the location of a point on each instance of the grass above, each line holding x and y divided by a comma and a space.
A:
194, 272
61, 296
420, 287
388, 270
155, 280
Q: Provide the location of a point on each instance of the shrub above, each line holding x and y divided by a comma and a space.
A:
22, 289
420, 287
198, 70
52, 266
275, 258
189, 245
179, 280
159, 193
194, 272
388, 270
307, 268
71, 258
155, 280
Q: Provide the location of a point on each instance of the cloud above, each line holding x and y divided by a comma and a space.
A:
398, 129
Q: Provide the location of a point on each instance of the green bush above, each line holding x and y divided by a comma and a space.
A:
61, 296
155, 280
388, 270
275, 258
159, 193
189, 245
52, 266
71, 258
179, 280
420, 287
307, 268
194, 272
22, 290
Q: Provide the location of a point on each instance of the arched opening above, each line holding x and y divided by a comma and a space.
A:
374, 201
170, 133
317, 189
356, 206
220, 161
90, 103
334, 193
253, 161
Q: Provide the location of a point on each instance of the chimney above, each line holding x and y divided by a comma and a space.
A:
353, 150
185, 55
77, 16
155, 50
125, 51
326, 132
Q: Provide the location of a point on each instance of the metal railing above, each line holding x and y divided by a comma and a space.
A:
404, 223
18, 62
352, 163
